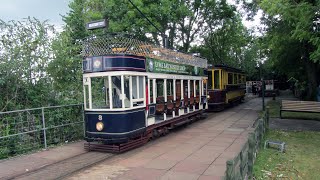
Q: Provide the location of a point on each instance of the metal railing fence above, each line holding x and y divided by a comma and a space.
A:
27, 130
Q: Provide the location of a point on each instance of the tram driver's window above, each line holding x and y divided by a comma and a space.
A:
100, 93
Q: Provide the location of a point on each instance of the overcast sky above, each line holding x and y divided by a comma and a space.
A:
53, 9
41, 9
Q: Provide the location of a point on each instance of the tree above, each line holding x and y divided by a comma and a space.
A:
65, 68
293, 33
25, 53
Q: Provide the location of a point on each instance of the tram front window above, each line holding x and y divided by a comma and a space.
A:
100, 93
114, 92
216, 79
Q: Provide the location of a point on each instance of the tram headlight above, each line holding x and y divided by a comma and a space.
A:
99, 126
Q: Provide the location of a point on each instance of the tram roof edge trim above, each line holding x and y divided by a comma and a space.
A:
100, 45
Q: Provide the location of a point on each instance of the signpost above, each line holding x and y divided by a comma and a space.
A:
103, 23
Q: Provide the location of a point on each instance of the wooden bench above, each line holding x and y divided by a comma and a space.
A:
299, 106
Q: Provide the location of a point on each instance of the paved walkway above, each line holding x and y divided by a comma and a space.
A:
199, 151
18, 165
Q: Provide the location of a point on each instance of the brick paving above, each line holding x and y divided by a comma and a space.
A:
25, 163
196, 152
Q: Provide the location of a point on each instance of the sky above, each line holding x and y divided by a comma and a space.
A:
50, 10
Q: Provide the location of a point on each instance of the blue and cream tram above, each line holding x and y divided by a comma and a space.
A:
134, 91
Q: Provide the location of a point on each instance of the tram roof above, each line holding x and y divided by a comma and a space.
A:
228, 68
109, 44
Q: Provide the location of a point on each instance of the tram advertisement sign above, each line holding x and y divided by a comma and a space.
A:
159, 66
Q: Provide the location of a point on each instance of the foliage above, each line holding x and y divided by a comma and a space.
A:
293, 39
25, 52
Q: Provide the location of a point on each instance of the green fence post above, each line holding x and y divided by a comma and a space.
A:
260, 130
251, 154
230, 170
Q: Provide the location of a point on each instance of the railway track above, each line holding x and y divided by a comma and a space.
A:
66, 167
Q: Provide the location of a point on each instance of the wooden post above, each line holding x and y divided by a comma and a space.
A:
230, 169
251, 154
260, 130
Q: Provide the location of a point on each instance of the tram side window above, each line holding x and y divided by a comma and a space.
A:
116, 91
235, 79
197, 87
150, 91
160, 97
191, 88
170, 87
140, 87
209, 79
134, 87
216, 79
159, 88
126, 97
99, 92
230, 78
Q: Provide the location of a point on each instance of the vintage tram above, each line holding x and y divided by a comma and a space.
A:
134, 91
226, 86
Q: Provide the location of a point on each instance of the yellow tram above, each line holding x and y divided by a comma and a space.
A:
226, 86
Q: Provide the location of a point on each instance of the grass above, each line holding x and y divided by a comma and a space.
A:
300, 161
274, 112
302, 157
